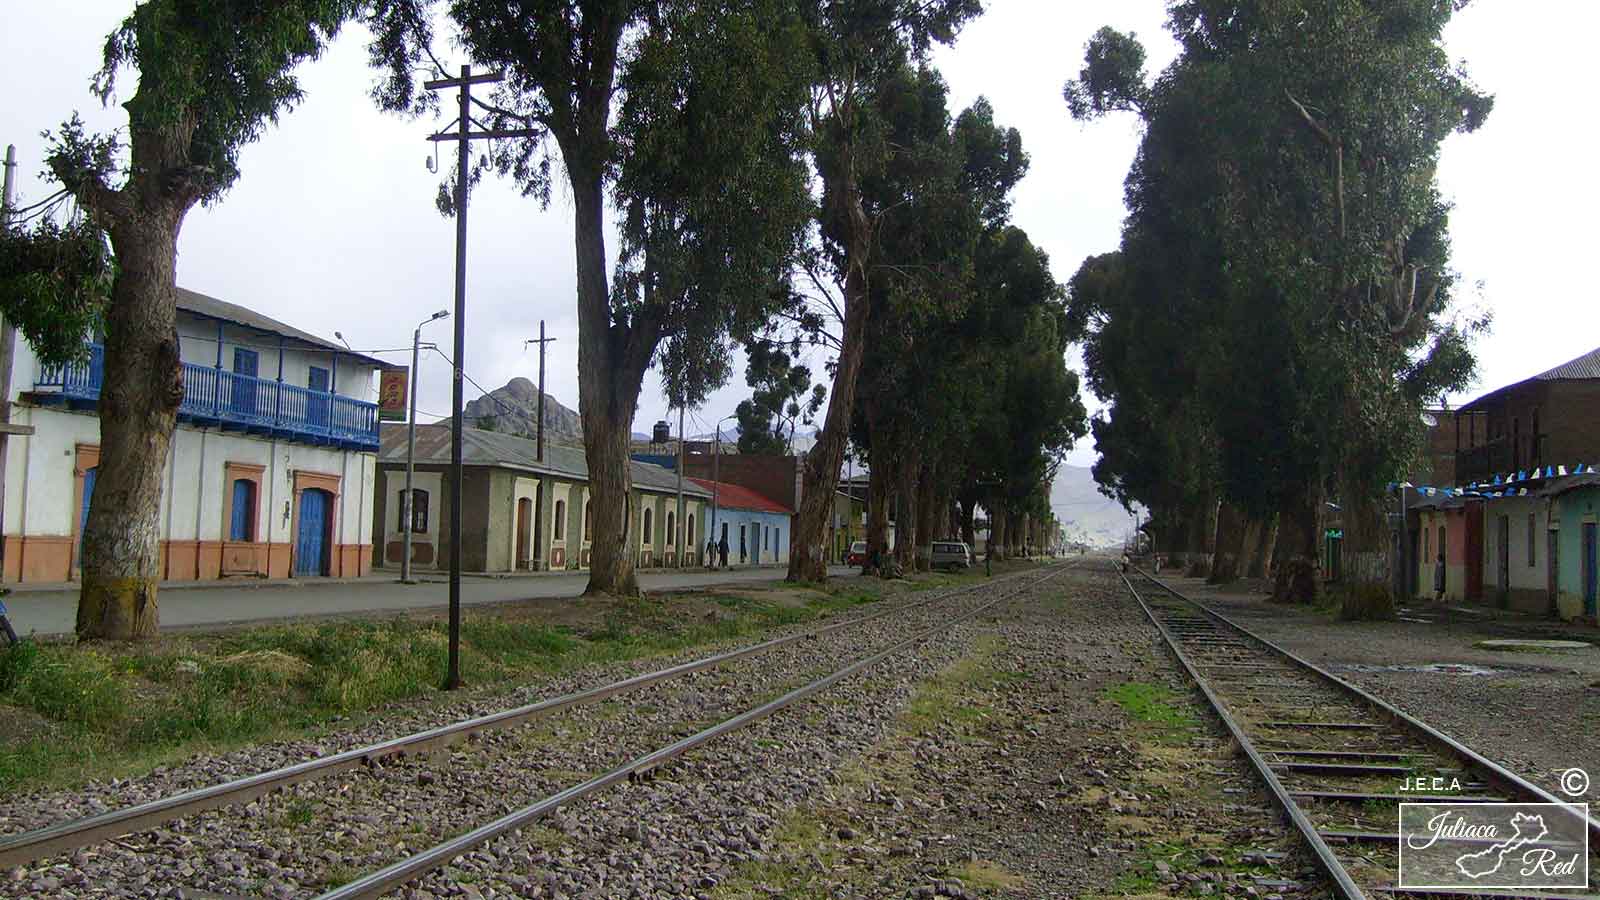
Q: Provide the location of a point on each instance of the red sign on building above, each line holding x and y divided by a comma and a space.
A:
392, 384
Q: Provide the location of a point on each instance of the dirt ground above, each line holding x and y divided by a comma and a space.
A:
1063, 755
1535, 712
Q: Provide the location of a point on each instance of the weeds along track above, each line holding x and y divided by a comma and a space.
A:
1337, 759
645, 752
711, 681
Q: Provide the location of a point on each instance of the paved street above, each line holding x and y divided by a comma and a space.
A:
53, 612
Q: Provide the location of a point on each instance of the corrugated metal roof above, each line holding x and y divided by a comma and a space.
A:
735, 496
492, 448
1585, 366
211, 307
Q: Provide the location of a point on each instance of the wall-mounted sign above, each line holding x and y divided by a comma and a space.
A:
392, 384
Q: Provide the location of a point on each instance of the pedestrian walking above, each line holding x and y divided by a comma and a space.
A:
1124, 563
722, 550
1438, 578
711, 554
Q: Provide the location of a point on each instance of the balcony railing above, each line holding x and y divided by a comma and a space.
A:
211, 394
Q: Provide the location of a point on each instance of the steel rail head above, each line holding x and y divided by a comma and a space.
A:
398, 873
27, 846
1335, 870
1410, 722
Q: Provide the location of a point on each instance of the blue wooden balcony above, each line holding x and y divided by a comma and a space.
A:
215, 396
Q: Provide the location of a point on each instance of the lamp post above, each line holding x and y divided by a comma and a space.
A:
716, 456
1405, 576
411, 445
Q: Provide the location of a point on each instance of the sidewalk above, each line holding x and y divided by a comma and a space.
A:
51, 610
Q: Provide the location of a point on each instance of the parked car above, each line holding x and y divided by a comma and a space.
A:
951, 555
858, 554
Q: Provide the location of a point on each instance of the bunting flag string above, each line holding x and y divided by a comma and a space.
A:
1501, 486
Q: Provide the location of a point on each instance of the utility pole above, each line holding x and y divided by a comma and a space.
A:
8, 342
463, 136
538, 428
407, 499
677, 531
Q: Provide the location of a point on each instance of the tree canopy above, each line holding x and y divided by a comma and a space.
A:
1286, 256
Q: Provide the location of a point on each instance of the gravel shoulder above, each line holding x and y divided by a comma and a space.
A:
1536, 713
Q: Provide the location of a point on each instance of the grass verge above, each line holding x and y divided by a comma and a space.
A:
69, 712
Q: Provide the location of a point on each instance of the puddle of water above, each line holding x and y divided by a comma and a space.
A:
1430, 668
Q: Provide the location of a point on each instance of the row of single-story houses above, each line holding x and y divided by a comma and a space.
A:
1528, 544
278, 467
523, 513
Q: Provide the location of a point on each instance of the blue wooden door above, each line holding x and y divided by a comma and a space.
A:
243, 399
243, 510
311, 546
1591, 578
317, 404
83, 512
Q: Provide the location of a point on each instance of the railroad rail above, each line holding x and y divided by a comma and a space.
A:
28, 846
399, 873
1333, 755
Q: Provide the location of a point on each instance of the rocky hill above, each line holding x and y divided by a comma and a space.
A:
514, 409
1087, 514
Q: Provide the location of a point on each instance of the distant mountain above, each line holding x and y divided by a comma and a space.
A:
514, 409
1084, 512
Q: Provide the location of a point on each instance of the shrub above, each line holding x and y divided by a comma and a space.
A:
1366, 602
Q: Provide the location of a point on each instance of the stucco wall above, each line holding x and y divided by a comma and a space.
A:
1528, 589
1576, 508
44, 483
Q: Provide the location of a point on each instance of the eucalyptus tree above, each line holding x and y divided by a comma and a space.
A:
783, 397
1306, 141
211, 76
684, 118
858, 47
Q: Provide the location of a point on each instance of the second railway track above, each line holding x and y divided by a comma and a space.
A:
1332, 755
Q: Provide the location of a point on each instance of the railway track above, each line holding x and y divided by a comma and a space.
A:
378, 883
943, 608
1336, 759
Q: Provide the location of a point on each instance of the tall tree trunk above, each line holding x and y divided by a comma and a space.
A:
1266, 543
143, 387
1250, 545
611, 364
1297, 580
905, 497
1230, 537
968, 512
879, 496
808, 554
996, 548
928, 515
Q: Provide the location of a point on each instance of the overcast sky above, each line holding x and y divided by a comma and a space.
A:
333, 228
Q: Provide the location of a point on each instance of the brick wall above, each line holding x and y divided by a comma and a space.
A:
775, 477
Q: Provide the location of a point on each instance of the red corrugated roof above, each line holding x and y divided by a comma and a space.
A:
733, 496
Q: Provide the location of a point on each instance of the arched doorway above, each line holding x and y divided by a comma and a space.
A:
311, 546
524, 526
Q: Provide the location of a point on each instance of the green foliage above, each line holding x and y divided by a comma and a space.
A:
55, 281
217, 72
1112, 78
768, 419
1280, 308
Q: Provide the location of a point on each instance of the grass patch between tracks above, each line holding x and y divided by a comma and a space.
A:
1156, 705
72, 712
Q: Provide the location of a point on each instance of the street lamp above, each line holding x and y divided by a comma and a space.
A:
411, 444
716, 456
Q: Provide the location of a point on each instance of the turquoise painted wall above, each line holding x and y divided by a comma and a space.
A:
1577, 507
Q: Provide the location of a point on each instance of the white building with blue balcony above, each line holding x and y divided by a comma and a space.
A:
270, 471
